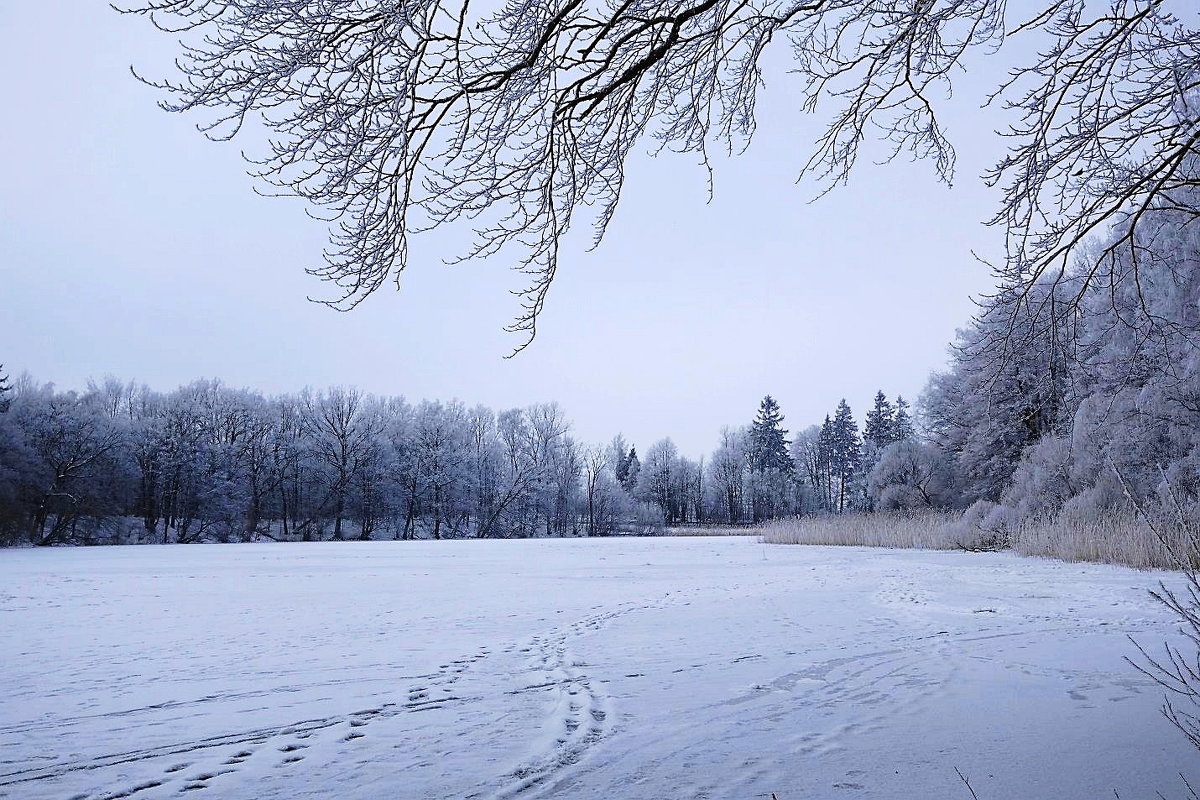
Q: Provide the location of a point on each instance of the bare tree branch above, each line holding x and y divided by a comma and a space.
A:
397, 117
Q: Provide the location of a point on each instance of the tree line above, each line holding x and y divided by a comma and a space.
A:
120, 462
1065, 404
206, 462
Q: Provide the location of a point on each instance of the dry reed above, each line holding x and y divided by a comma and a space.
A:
1119, 537
713, 530
911, 529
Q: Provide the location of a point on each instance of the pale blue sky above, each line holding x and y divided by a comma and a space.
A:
131, 245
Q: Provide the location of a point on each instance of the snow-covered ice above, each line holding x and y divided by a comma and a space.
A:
615, 668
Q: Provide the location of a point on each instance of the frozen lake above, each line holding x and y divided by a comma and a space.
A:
618, 668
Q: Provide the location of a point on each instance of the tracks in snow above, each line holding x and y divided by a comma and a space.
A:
581, 713
188, 767
577, 717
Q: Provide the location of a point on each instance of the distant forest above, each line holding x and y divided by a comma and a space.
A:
120, 462
1068, 401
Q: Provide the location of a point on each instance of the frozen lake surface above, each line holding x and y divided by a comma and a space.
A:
618, 668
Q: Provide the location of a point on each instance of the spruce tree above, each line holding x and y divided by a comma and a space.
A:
846, 451
770, 464
903, 423
768, 442
880, 429
825, 464
878, 433
622, 469
633, 466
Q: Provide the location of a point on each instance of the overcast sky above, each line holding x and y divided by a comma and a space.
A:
133, 246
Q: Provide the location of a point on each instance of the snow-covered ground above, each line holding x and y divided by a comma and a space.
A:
621, 668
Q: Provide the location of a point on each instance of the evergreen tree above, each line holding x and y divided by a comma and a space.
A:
845, 451
878, 433
622, 469
633, 466
880, 429
825, 489
5, 391
903, 426
768, 442
770, 464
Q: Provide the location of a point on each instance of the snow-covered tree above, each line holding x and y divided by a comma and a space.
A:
5, 390
606, 503
845, 455
442, 439
809, 455
73, 468
902, 423
727, 475
658, 479
771, 470
879, 432
990, 405
767, 448
632, 471
880, 429
825, 462
343, 428
907, 475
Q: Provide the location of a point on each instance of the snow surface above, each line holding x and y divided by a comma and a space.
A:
614, 668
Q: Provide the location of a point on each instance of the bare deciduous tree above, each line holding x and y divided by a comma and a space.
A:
400, 116
343, 426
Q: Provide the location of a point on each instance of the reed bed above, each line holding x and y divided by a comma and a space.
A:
1120, 537
930, 530
714, 530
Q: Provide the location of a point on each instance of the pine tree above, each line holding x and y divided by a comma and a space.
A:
903, 427
880, 429
846, 451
